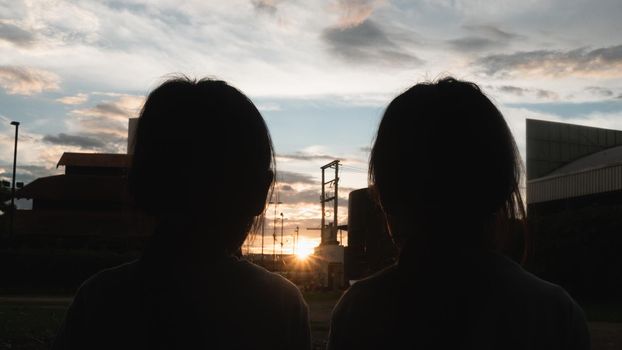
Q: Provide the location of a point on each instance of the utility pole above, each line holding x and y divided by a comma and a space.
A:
13, 182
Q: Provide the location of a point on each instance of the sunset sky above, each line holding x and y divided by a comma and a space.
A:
321, 72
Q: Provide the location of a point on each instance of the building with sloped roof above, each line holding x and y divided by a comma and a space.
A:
566, 161
574, 205
100, 164
89, 201
91, 181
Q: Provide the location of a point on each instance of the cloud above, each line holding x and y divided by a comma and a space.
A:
74, 140
308, 196
16, 35
473, 43
25, 173
110, 116
366, 42
286, 188
354, 12
520, 91
307, 156
605, 62
108, 110
547, 94
512, 90
18, 80
102, 127
483, 37
573, 109
365, 149
265, 6
77, 99
269, 107
600, 91
290, 177
297, 197
491, 32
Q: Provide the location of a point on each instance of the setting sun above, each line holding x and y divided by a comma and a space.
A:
303, 255
304, 248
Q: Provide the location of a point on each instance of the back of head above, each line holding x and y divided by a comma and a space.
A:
444, 155
202, 154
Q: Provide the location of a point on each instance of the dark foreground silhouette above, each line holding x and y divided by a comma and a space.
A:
189, 290
446, 172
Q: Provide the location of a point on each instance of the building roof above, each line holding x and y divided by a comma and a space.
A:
599, 172
553, 145
77, 188
101, 160
609, 156
580, 183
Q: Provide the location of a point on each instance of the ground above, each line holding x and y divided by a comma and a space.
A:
30, 322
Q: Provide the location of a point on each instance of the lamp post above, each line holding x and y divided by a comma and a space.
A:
296, 240
281, 236
276, 203
13, 181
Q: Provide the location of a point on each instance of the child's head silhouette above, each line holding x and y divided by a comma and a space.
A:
202, 156
444, 156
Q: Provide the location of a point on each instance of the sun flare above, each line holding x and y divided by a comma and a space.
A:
303, 255
305, 248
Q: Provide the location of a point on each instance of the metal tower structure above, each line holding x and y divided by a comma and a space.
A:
330, 193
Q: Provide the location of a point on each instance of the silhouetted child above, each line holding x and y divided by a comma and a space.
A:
202, 168
446, 172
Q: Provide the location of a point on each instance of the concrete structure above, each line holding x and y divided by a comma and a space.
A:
329, 259
370, 248
131, 132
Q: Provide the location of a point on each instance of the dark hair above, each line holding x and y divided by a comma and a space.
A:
444, 152
202, 150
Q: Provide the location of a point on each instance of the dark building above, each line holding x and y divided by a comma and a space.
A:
574, 197
89, 202
92, 181
81, 222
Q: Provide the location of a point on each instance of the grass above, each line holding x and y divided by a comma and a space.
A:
331, 296
32, 325
29, 325
603, 312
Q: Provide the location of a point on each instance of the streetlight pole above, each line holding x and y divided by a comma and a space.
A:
296, 240
281, 236
263, 233
13, 182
